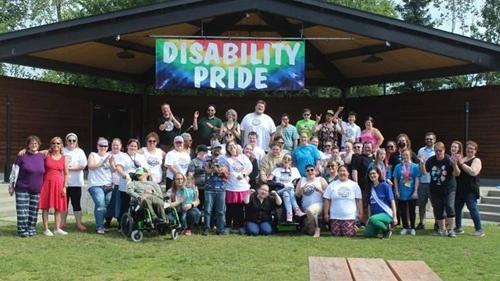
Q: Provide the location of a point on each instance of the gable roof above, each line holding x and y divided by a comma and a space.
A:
337, 39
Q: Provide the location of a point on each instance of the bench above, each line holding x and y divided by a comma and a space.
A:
360, 269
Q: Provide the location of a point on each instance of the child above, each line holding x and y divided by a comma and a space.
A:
189, 206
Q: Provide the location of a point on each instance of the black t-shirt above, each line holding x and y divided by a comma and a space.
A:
360, 164
256, 211
167, 136
441, 172
395, 159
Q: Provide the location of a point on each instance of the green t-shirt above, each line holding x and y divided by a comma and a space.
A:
205, 131
305, 126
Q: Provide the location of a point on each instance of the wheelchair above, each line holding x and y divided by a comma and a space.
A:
137, 220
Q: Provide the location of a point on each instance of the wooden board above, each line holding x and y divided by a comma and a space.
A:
321, 268
370, 269
412, 271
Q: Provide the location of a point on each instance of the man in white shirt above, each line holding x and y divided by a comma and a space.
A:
352, 131
260, 123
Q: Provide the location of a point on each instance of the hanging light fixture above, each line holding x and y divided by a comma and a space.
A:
125, 55
373, 59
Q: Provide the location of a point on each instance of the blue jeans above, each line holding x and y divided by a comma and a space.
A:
289, 200
189, 217
471, 201
215, 200
263, 228
101, 200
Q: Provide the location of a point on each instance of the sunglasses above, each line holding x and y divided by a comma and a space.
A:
306, 114
211, 110
228, 135
281, 142
330, 166
71, 140
439, 150
357, 147
103, 146
310, 170
56, 143
390, 146
152, 141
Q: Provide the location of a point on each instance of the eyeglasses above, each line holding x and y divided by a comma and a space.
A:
103, 146
189, 140
328, 145
310, 170
281, 142
152, 141
56, 143
71, 140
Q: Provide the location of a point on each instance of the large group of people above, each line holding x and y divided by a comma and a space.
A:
329, 173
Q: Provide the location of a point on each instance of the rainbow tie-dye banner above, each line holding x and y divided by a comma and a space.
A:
230, 65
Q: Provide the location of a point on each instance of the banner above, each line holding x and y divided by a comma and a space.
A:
230, 64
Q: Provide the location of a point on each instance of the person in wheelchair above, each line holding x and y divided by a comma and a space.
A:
148, 194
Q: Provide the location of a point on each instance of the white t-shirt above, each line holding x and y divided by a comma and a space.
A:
178, 160
236, 166
352, 132
262, 124
286, 176
154, 163
102, 175
310, 195
259, 154
130, 165
343, 197
76, 157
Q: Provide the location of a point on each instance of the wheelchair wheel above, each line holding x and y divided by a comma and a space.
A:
137, 236
174, 234
126, 224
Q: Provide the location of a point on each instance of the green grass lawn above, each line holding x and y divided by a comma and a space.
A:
87, 256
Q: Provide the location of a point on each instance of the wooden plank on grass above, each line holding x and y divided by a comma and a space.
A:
370, 269
413, 271
323, 268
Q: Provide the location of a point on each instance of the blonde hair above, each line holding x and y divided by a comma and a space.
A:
56, 139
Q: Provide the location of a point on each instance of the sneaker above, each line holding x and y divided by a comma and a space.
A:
80, 227
48, 233
413, 232
187, 232
459, 230
438, 232
62, 226
452, 233
242, 230
205, 232
387, 235
477, 233
420, 226
100, 231
60, 232
404, 231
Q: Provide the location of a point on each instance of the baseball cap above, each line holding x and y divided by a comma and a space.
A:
330, 112
140, 171
216, 144
201, 148
178, 139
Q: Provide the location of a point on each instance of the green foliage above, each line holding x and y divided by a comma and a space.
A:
416, 11
380, 7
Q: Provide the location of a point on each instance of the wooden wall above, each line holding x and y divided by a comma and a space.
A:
47, 110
